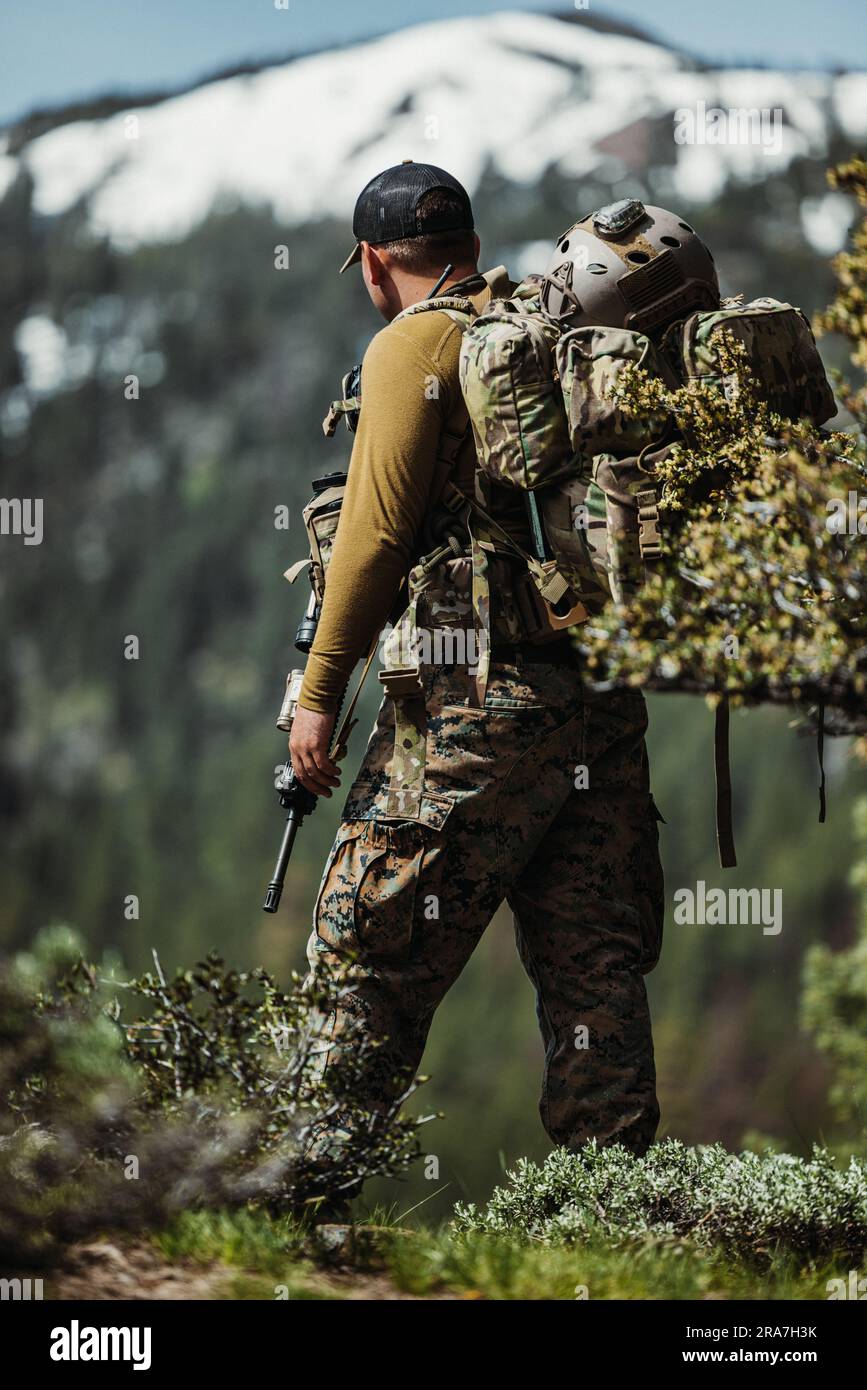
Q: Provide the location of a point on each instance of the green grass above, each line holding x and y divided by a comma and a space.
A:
250, 1240
269, 1256
498, 1267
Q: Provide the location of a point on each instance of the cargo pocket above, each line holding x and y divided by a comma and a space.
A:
366, 903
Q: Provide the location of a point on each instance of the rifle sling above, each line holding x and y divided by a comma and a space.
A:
338, 744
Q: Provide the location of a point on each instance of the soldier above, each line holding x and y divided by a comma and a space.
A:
537, 793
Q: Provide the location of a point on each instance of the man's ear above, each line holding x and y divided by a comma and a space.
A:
372, 265
477, 245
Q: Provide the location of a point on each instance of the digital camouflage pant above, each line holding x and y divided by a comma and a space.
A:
541, 798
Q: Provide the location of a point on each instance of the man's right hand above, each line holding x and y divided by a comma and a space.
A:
309, 743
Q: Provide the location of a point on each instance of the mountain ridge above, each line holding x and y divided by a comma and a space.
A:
45, 118
541, 92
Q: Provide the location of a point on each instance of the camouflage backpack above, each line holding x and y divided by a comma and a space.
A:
544, 419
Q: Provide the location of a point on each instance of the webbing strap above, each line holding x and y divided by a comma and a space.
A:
548, 580
457, 306
402, 684
724, 831
481, 591
450, 445
335, 410
550, 583
406, 779
820, 753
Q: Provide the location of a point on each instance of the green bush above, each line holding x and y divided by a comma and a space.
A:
747, 1206
755, 596
215, 1100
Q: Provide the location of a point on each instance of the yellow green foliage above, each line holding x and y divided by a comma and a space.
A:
761, 590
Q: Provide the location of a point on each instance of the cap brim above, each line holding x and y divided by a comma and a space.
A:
352, 259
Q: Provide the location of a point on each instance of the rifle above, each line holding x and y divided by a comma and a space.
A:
295, 799
298, 802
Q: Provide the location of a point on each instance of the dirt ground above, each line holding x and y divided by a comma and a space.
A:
136, 1271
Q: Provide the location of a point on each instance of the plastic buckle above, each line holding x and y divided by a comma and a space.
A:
452, 498
401, 682
649, 539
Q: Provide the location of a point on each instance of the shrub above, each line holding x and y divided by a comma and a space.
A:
750, 565
216, 1099
749, 1206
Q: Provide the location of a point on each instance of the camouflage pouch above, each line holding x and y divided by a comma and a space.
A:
320, 517
322, 512
590, 362
574, 516
509, 382
614, 486
784, 360
631, 517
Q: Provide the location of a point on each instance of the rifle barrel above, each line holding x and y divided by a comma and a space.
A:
274, 891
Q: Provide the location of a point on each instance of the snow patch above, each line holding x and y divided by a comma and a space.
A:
515, 92
42, 347
826, 222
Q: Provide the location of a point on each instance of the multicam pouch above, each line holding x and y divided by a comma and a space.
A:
320, 517
590, 362
784, 360
509, 382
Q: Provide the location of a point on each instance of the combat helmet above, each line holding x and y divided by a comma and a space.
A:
628, 266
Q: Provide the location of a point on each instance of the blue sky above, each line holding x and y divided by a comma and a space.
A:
55, 50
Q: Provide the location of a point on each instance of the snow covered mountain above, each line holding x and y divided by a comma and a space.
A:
512, 93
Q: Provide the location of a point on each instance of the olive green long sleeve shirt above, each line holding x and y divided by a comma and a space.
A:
410, 395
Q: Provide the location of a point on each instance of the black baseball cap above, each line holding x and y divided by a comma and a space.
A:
387, 207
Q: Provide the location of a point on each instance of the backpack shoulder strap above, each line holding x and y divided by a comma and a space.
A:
461, 311
498, 282
458, 308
